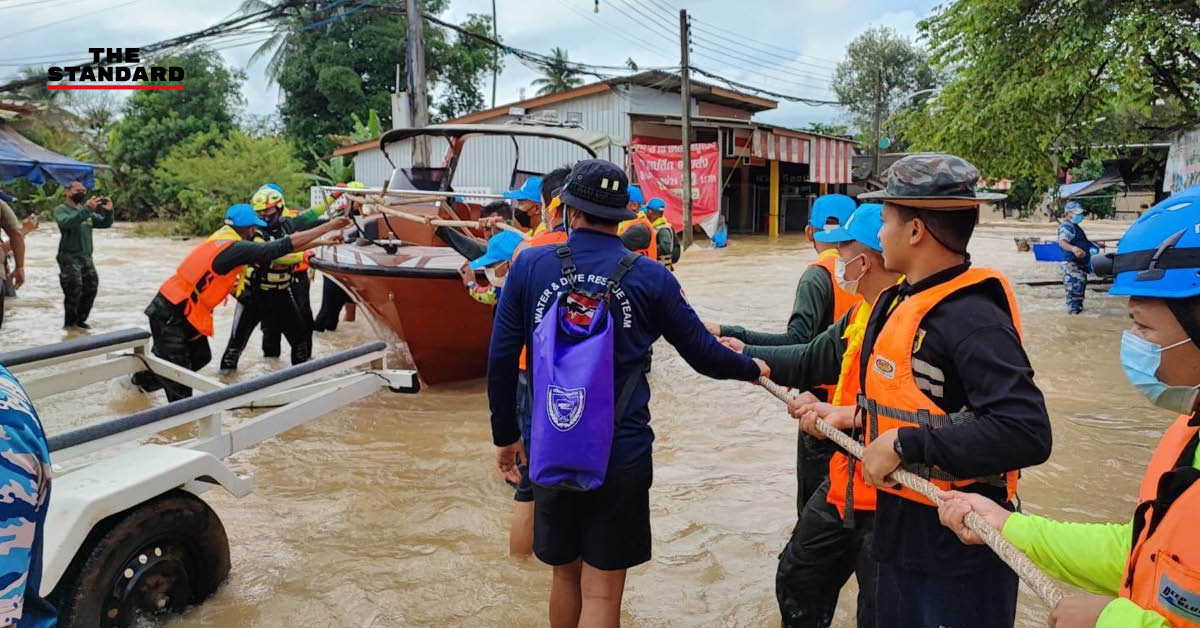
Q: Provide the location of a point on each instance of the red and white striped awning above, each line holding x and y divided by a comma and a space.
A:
767, 145
828, 158
831, 160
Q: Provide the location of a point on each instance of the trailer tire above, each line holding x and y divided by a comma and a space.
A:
158, 557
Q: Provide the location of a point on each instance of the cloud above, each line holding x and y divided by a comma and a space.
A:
751, 42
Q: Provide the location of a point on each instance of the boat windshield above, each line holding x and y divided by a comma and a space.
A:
426, 179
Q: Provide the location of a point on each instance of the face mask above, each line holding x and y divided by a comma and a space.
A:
849, 285
523, 219
1140, 359
78, 197
1077, 218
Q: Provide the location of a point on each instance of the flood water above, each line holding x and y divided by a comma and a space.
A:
389, 513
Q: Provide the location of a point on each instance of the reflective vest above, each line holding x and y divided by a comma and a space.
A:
842, 300
198, 286
890, 398
846, 484
1163, 571
542, 239
641, 219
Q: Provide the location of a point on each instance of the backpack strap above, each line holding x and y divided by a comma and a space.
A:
623, 267
568, 266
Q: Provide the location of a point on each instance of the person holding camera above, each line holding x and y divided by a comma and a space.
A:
76, 218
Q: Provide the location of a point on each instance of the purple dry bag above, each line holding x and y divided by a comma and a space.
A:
574, 410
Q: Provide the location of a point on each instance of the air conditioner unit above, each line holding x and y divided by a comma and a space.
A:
575, 118
516, 112
548, 115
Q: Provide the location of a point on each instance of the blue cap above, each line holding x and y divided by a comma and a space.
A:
1160, 253
274, 186
862, 226
5, 197
1073, 208
635, 195
500, 249
531, 190
243, 215
837, 206
656, 204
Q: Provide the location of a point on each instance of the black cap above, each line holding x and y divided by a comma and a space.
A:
598, 188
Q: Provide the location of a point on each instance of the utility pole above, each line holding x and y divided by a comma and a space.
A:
878, 108
495, 52
419, 100
685, 92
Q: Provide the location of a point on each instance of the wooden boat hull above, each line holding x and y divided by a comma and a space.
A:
415, 296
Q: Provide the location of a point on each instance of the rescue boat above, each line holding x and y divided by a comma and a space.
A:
402, 274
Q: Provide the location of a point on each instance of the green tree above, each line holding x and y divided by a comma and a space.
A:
155, 122
824, 128
211, 172
348, 66
1032, 77
558, 76
880, 54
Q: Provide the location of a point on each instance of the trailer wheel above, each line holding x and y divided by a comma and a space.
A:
158, 557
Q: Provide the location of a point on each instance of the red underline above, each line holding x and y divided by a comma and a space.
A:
114, 87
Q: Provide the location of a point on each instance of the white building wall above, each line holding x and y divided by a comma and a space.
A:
488, 161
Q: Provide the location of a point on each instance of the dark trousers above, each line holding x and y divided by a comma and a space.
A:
914, 599
819, 559
177, 342
812, 467
272, 332
271, 308
333, 299
79, 281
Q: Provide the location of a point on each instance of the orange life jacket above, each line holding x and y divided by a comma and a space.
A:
1163, 571
198, 286
846, 484
302, 267
642, 220
842, 301
890, 398
542, 239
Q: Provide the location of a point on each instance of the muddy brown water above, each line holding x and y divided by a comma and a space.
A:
389, 513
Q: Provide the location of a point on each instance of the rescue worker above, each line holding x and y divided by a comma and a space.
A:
666, 244
1074, 241
1145, 572
638, 232
819, 301
946, 391
832, 536
76, 217
591, 538
527, 199
10, 279
181, 314
333, 298
27, 479
267, 297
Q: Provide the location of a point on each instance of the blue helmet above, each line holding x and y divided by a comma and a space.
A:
1159, 256
635, 195
863, 226
837, 206
656, 204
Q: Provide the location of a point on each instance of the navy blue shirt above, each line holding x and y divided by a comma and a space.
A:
649, 304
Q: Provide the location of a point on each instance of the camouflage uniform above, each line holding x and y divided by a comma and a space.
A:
1074, 270
177, 342
23, 513
76, 272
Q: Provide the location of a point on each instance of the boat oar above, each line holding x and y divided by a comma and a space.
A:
439, 222
1037, 579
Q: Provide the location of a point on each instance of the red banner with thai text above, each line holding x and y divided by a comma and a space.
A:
659, 170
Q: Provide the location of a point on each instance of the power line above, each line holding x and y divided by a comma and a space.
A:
619, 31
788, 97
65, 19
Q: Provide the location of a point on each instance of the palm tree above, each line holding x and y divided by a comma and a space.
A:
558, 75
279, 45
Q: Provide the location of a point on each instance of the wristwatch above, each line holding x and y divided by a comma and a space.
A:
896, 446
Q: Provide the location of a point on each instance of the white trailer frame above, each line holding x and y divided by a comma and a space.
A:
89, 487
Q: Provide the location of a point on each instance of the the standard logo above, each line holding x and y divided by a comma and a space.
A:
114, 68
564, 406
1178, 600
885, 367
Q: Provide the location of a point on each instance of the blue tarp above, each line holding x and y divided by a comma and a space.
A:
21, 158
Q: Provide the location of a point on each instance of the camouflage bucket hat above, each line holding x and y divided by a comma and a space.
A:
932, 181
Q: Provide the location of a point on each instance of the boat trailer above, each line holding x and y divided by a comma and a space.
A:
126, 534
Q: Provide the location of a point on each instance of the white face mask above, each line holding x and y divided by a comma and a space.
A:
849, 285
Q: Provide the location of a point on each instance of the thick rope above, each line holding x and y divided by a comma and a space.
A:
1035, 578
389, 209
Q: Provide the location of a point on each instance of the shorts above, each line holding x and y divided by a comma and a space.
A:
608, 527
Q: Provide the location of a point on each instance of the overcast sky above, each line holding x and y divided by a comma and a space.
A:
786, 46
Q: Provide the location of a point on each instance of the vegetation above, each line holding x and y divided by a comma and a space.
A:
559, 76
